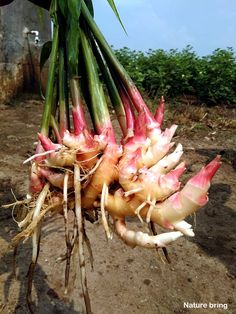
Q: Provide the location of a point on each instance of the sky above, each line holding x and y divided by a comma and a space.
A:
166, 24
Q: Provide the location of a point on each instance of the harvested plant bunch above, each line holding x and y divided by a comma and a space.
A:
91, 171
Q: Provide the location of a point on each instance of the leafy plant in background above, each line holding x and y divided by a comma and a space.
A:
134, 63
212, 79
216, 77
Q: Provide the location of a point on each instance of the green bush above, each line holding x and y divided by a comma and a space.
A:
212, 79
132, 61
217, 77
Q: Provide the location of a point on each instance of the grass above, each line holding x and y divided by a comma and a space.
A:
192, 117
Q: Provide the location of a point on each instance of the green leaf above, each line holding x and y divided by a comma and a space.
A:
89, 4
63, 7
45, 54
74, 8
51, 83
53, 11
73, 35
113, 6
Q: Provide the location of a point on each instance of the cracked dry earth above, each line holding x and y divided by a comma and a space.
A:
124, 280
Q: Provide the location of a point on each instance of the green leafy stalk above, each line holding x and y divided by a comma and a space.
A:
71, 13
73, 35
51, 73
115, 64
106, 49
89, 4
112, 90
50, 84
72, 44
127, 104
99, 109
55, 128
77, 110
63, 94
55, 97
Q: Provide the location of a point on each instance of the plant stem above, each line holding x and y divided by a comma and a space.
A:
77, 110
99, 109
63, 91
111, 87
127, 106
55, 128
50, 84
117, 67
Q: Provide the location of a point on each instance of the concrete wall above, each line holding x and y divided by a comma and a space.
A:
19, 55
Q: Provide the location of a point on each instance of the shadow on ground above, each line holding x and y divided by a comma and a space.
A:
216, 226
52, 303
227, 155
216, 223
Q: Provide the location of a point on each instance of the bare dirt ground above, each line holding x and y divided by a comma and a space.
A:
125, 280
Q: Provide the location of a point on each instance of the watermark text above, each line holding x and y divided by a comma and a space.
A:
209, 305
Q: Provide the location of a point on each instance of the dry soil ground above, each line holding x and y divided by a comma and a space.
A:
124, 280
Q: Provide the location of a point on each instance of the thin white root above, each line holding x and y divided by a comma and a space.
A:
36, 233
65, 197
106, 196
16, 203
67, 238
149, 213
184, 227
13, 205
151, 203
40, 200
92, 170
133, 238
35, 243
79, 217
25, 221
128, 193
40, 154
88, 159
27, 232
103, 212
138, 209
164, 249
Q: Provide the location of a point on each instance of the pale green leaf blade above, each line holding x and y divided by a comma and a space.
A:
113, 6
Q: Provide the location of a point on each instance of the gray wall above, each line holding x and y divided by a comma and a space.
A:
19, 55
